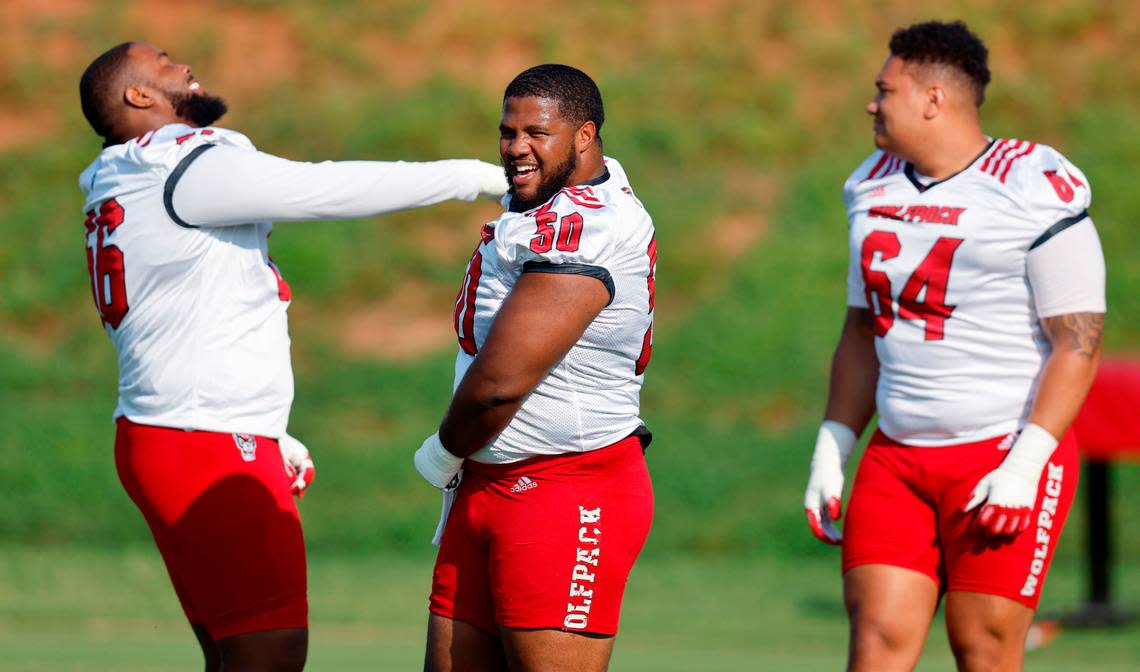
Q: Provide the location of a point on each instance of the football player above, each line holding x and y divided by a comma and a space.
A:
975, 311
178, 221
541, 449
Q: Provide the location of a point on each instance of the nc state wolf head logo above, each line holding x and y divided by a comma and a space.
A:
247, 444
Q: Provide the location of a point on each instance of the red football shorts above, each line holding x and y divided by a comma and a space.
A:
546, 542
221, 512
906, 511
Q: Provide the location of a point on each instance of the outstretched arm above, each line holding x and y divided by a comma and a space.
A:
225, 186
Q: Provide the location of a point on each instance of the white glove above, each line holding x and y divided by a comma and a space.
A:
299, 466
1010, 491
492, 180
438, 466
823, 498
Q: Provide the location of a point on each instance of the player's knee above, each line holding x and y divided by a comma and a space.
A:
292, 652
986, 649
276, 651
882, 643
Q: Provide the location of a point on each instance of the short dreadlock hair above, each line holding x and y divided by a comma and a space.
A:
97, 87
947, 44
578, 97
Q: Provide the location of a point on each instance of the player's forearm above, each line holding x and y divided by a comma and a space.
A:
472, 423
492, 390
227, 186
854, 373
1069, 371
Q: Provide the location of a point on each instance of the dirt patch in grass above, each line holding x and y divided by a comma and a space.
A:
415, 320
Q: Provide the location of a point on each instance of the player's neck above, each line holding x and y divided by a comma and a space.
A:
944, 154
590, 167
136, 125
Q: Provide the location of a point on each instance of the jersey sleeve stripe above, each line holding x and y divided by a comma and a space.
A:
583, 196
999, 157
1009, 162
998, 148
1058, 228
172, 182
878, 165
598, 272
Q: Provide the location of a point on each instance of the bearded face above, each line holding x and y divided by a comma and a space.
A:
538, 150
200, 109
551, 179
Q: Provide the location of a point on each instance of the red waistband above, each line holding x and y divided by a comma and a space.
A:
881, 439
126, 424
571, 461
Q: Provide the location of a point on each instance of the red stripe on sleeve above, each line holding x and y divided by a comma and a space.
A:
1025, 152
878, 165
993, 153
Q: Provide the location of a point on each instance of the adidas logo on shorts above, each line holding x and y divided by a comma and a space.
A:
523, 485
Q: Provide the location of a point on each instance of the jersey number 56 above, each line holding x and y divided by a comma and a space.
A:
105, 263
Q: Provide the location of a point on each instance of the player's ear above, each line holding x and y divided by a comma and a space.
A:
935, 101
138, 96
585, 136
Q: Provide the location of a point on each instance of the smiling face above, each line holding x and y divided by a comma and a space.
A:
899, 108
175, 85
538, 148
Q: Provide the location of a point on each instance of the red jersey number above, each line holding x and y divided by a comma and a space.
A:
1061, 185
105, 263
465, 303
565, 239
932, 275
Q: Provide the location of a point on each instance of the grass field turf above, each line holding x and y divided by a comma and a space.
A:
64, 610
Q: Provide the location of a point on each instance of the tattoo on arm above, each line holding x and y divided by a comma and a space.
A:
1076, 332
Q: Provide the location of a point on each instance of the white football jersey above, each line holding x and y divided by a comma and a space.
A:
942, 265
590, 399
177, 249
197, 315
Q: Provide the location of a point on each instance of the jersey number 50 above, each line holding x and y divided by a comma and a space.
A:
933, 274
105, 263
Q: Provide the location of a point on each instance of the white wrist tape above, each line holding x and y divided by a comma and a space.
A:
834, 441
1032, 449
435, 463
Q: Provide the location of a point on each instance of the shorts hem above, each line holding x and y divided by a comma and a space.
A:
450, 616
281, 613
1030, 602
848, 566
601, 632
597, 632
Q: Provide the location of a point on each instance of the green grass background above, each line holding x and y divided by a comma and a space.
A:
737, 122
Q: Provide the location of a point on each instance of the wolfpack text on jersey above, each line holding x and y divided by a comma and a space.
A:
957, 274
